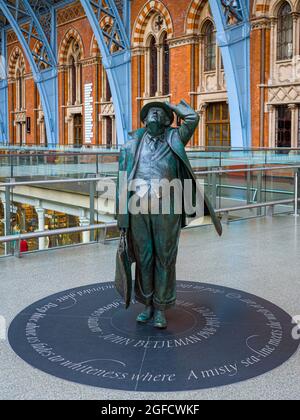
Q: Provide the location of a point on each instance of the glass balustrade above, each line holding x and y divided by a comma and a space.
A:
32, 163
240, 184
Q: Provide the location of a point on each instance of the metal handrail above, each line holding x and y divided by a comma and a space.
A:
256, 206
242, 149
103, 151
55, 232
259, 169
96, 179
51, 181
57, 152
100, 149
49, 233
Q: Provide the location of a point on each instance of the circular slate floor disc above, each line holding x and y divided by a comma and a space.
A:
216, 336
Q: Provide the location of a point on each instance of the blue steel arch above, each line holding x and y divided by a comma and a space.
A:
114, 46
233, 28
26, 18
233, 34
23, 16
3, 88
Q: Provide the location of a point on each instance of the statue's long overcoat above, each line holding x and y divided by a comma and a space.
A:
129, 157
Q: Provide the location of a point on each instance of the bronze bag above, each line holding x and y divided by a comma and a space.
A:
123, 278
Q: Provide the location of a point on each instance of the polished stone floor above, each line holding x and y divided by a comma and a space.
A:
260, 256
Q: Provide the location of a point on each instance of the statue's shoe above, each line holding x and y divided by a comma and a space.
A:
160, 320
145, 316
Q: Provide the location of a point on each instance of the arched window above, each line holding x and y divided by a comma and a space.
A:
285, 33
153, 67
74, 73
106, 89
73, 84
78, 131
20, 105
283, 126
166, 65
106, 125
19, 91
108, 94
156, 62
109, 132
71, 55
20, 86
17, 97
210, 46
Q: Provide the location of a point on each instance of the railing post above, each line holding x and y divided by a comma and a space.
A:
219, 187
7, 225
297, 193
226, 217
248, 176
17, 252
270, 211
103, 235
259, 192
92, 208
214, 189
84, 222
11, 163
97, 164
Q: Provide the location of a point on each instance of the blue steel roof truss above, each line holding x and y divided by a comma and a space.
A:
30, 20
31, 12
233, 36
232, 11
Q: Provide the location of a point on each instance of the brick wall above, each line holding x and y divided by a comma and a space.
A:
181, 82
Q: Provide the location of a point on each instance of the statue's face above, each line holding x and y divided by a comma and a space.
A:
157, 116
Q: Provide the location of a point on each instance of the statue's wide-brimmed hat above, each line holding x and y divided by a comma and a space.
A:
162, 105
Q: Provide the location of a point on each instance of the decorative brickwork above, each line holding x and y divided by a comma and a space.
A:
143, 17
71, 35
193, 16
70, 14
16, 55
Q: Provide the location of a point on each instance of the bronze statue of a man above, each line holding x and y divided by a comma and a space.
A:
157, 152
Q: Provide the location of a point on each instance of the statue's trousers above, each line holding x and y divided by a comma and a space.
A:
155, 239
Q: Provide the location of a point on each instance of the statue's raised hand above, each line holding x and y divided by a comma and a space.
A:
182, 109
